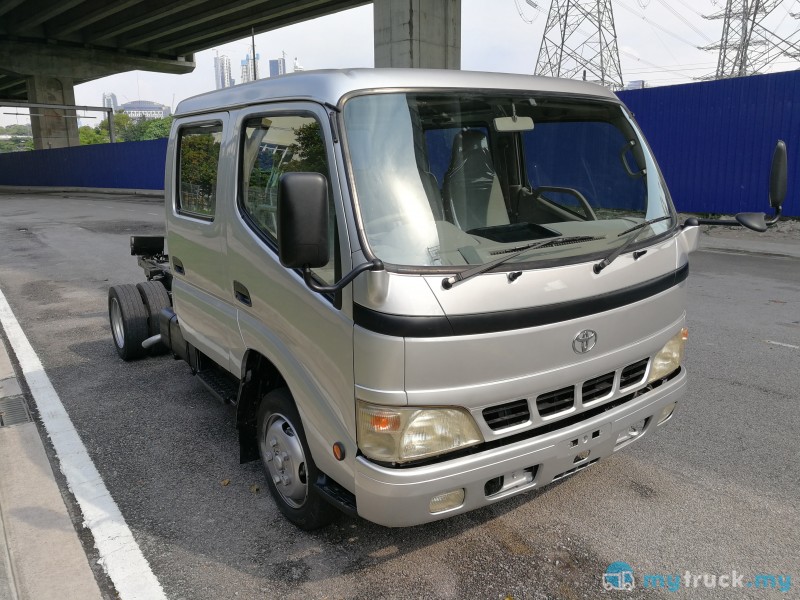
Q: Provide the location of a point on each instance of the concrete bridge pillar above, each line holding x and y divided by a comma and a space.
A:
417, 33
52, 128
51, 72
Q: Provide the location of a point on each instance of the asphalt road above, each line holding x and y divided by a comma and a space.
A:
716, 490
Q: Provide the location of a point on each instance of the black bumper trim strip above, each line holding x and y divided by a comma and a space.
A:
509, 320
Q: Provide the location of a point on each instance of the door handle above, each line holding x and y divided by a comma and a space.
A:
176, 262
242, 294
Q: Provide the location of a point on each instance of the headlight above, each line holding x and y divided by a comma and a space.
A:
670, 357
390, 434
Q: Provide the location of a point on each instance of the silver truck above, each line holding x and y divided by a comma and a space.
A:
422, 291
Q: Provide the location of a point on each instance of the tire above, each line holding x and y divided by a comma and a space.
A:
128, 317
155, 298
286, 458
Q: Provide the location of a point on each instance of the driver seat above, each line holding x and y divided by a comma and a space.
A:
471, 190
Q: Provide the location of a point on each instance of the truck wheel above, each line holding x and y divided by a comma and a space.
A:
128, 316
155, 298
290, 470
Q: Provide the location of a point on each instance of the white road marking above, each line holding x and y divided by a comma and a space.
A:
119, 553
784, 345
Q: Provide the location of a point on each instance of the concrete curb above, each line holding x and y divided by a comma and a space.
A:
41, 556
762, 247
141, 195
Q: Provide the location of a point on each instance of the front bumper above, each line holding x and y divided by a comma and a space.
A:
401, 497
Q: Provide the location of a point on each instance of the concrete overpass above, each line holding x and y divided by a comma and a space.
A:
47, 47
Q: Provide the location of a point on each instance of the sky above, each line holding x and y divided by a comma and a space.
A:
658, 42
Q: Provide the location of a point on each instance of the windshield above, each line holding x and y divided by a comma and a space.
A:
455, 179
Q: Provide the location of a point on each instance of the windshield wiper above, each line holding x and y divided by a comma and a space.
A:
638, 228
448, 282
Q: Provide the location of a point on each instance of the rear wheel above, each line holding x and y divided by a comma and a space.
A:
155, 298
128, 317
290, 470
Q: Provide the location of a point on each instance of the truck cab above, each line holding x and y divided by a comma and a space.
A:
426, 291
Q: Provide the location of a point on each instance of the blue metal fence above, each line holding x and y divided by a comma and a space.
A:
714, 140
127, 165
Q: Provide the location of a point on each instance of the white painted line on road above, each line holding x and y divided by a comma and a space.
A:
156, 214
784, 345
119, 553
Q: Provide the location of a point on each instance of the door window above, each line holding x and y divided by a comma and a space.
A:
274, 145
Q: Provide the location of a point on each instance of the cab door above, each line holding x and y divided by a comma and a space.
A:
305, 334
196, 235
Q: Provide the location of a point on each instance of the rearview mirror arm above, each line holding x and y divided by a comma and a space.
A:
776, 218
694, 221
374, 265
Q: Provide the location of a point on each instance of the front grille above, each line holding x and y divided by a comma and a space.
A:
506, 415
600, 389
633, 374
555, 402
597, 387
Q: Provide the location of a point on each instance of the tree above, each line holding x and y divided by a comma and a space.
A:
136, 130
19, 138
199, 156
121, 122
127, 129
155, 129
309, 150
23, 130
16, 144
92, 135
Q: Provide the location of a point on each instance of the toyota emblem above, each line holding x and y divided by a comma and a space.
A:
584, 341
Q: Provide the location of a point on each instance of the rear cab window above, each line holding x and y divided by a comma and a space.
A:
198, 166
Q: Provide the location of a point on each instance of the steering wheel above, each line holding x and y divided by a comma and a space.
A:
537, 192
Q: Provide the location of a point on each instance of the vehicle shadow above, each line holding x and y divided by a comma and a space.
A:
168, 452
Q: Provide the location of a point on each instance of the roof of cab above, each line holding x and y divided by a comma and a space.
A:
328, 86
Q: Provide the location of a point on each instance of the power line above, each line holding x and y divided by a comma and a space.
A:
690, 8
685, 20
522, 14
653, 65
656, 25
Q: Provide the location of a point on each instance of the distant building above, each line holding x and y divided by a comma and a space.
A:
222, 72
636, 84
296, 68
277, 67
110, 101
250, 68
145, 109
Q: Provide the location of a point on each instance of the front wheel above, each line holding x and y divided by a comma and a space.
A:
290, 470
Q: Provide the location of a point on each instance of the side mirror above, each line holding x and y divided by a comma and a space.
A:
754, 221
303, 220
777, 176
303, 229
777, 194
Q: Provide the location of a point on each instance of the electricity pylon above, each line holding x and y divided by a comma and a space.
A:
580, 41
747, 46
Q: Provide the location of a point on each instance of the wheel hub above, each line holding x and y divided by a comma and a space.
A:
116, 323
285, 460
